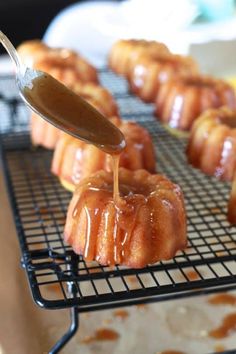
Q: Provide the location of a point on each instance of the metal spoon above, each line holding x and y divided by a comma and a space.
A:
62, 107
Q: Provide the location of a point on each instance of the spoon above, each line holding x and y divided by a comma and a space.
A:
61, 107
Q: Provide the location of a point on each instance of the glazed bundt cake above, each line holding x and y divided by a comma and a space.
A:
179, 102
45, 134
212, 143
149, 73
124, 53
147, 224
74, 159
63, 64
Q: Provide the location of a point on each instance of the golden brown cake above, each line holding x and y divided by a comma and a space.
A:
212, 143
45, 134
124, 53
147, 224
30, 50
65, 65
74, 159
149, 73
179, 102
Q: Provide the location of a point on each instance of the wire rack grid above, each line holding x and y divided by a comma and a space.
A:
40, 203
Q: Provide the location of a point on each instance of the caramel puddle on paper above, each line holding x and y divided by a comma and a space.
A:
102, 334
227, 327
222, 299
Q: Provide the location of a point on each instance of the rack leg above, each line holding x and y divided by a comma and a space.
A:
74, 316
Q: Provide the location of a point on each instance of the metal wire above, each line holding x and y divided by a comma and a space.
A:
40, 203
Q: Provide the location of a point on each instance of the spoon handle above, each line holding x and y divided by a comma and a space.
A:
11, 51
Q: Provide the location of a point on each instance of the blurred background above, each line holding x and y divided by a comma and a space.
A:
204, 29
27, 19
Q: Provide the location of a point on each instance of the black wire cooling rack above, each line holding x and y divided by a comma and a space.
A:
40, 203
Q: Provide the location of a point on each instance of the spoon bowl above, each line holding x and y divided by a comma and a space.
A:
61, 107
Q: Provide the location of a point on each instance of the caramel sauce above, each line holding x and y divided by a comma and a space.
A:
133, 279
44, 211
192, 275
123, 314
116, 159
215, 210
67, 110
102, 334
55, 287
222, 299
226, 328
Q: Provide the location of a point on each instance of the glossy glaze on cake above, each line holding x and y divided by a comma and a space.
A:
124, 53
74, 159
149, 73
146, 225
180, 102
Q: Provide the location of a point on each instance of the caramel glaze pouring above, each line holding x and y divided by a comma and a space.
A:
124, 211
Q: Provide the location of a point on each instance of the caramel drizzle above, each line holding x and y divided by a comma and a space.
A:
125, 219
102, 334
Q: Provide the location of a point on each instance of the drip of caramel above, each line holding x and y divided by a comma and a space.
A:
116, 194
222, 299
102, 334
192, 275
226, 328
124, 212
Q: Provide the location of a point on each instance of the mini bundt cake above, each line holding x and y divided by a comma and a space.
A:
148, 73
212, 149
45, 134
74, 159
212, 143
63, 64
124, 53
147, 224
179, 102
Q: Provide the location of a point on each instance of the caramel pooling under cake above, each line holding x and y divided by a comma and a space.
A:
145, 224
